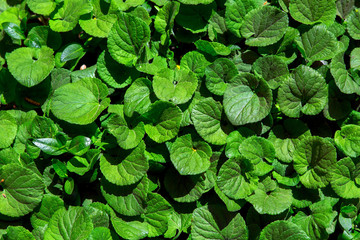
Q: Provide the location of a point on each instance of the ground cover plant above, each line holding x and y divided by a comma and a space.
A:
188, 119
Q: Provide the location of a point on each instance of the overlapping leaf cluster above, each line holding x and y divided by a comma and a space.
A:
188, 119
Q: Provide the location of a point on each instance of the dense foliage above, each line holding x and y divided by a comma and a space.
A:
188, 119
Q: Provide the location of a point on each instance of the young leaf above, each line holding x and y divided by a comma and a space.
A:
30, 66
8, 123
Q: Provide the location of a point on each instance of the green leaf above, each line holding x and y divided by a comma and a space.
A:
43, 7
272, 68
313, 159
69, 186
354, 59
235, 13
345, 177
318, 44
257, 149
234, 140
282, 229
269, 198
164, 20
22, 190
287, 137
30, 66
176, 86
195, 18
85, 99
127, 200
79, 145
18, 233
195, 62
124, 167
73, 223
127, 136
137, 97
157, 214
218, 74
353, 24
304, 92
113, 73
124, 5
263, 33
9, 123
42, 215
233, 181
212, 48
215, 222
344, 7
344, 81
188, 157
127, 39
196, 2
313, 11
71, 52
316, 223
100, 233
347, 140
98, 25
60, 168
50, 146
66, 17
164, 121
188, 188
13, 30
247, 99
129, 229
206, 117
78, 165
40, 36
